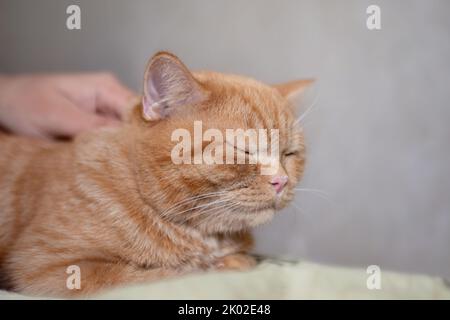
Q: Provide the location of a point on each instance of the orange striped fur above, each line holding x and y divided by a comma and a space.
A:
112, 202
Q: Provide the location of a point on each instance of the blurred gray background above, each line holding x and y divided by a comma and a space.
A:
378, 139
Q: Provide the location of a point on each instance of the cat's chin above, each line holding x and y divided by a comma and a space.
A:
262, 216
238, 222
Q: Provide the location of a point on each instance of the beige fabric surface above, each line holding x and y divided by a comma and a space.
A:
282, 280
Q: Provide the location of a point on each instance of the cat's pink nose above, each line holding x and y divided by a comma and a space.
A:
278, 183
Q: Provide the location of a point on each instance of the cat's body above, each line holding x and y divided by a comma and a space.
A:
70, 204
112, 202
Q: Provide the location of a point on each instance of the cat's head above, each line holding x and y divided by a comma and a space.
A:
177, 148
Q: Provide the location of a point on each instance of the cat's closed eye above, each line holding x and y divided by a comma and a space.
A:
291, 153
246, 151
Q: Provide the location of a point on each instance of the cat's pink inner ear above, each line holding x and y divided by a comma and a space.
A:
152, 103
168, 84
149, 110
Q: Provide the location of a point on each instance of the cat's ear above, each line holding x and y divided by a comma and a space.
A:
292, 90
168, 84
302, 95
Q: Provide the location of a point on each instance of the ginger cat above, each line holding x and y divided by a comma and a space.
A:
113, 203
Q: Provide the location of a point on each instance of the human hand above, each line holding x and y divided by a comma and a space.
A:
61, 105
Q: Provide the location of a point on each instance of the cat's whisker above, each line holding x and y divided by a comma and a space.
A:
320, 193
199, 208
216, 212
204, 205
205, 211
191, 199
198, 197
316, 191
296, 206
307, 111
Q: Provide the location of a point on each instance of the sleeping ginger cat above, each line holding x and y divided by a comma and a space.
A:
113, 203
